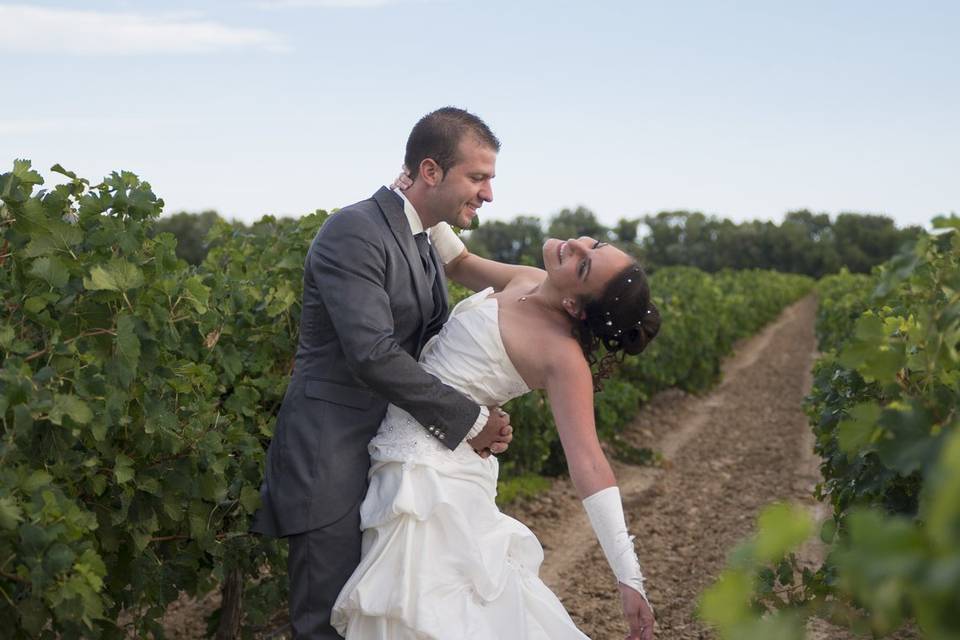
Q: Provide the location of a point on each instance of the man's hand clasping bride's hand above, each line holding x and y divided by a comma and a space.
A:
496, 434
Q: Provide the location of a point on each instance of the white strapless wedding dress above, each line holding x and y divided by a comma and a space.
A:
440, 561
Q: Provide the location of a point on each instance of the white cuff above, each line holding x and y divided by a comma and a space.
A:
447, 243
606, 516
479, 424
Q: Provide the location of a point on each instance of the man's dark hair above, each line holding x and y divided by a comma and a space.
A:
438, 134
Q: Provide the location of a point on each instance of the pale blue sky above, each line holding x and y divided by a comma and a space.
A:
741, 109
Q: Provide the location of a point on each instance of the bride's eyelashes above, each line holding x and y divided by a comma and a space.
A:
583, 270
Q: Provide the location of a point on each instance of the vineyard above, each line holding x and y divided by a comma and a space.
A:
138, 394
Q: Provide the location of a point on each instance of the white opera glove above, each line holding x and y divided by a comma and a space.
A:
605, 511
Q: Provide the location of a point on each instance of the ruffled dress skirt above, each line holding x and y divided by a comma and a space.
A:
440, 561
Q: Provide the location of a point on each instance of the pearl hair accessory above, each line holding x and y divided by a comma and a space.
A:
617, 332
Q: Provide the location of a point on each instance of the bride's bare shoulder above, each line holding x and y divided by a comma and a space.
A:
540, 347
525, 280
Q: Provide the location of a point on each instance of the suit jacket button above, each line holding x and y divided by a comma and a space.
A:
443, 436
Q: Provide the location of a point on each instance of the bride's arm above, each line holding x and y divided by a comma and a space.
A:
570, 389
569, 385
476, 273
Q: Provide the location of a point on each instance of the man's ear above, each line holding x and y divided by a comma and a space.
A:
431, 172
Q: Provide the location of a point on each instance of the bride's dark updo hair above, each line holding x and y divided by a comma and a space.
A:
623, 319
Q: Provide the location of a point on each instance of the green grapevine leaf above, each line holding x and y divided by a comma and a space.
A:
70, 405
910, 445
91, 566
128, 344
942, 495
10, 513
173, 506
35, 304
57, 168
782, 527
15, 187
118, 275
140, 539
98, 483
726, 602
59, 558
35, 539
51, 269
855, 432
22, 170
7, 334
36, 480
249, 499
41, 246
199, 293
123, 469
33, 616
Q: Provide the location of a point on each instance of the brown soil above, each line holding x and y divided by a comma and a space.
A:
724, 456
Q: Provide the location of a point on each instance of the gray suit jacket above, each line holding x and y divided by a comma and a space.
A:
366, 304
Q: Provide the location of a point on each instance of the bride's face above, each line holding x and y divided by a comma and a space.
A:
582, 266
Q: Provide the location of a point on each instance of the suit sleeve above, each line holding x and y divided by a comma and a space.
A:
348, 263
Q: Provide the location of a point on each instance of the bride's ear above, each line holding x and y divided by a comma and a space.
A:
572, 307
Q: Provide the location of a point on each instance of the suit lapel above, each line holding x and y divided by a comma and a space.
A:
392, 206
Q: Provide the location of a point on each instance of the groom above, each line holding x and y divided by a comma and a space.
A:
373, 293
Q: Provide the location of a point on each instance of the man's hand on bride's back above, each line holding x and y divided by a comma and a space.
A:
496, 434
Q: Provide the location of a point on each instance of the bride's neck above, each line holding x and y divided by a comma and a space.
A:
543, 296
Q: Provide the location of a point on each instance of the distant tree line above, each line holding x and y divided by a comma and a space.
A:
804, 242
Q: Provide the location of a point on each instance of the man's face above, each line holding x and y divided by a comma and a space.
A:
466, 185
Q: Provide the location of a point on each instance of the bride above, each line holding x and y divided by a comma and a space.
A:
439, 559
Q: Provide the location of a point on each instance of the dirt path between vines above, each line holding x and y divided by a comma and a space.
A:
725, 455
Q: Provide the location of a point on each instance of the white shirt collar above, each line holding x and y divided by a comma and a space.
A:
416, 225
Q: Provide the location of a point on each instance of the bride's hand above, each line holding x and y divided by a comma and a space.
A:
638, 614
402, 181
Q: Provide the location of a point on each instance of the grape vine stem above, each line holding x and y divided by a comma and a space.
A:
14, 577
85, 334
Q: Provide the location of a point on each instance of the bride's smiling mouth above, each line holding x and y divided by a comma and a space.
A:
560, 252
